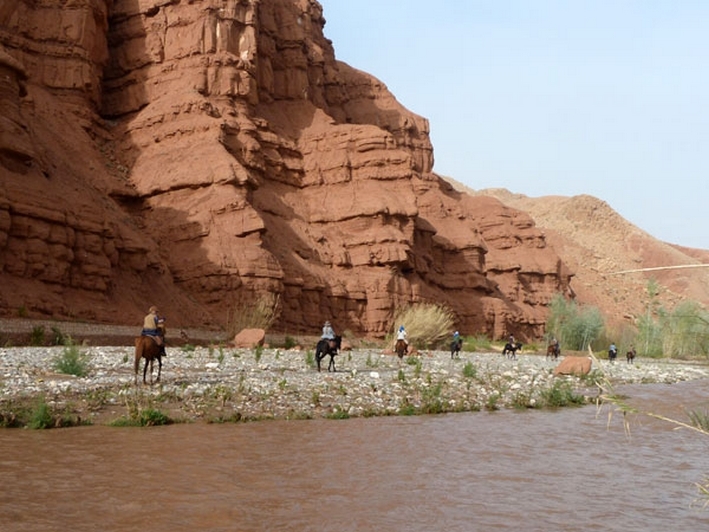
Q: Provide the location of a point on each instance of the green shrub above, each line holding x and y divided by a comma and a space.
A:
58, 337
37, 336
338, 413
469, 371
309, 359
151, 417
289, 342
575, 327
560, 394
406, 408
72, 361
41, 416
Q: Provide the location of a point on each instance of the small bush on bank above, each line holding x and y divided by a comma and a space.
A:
58, 338
37, 336
289, 342
72, 360
560, 394
41, 417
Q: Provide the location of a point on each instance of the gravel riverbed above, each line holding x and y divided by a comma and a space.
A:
229, 384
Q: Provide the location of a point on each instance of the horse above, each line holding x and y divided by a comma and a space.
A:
324, 348
553, 351
630, 355
400, 348
147, 347
612, 354
456, 346
511, 349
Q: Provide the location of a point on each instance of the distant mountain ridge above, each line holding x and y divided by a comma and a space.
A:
597, 243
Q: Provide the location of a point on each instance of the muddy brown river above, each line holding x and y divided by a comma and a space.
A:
534, 470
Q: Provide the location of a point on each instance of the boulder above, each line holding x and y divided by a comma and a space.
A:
572, 365
249, 338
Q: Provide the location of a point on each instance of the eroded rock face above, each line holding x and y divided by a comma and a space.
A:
204, 154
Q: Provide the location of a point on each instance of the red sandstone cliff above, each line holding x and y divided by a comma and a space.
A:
197, 155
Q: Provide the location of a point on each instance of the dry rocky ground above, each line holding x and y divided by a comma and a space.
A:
228, 384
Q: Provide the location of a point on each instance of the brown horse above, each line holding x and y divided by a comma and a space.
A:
400, 348
148, 348
630, 355
553, 351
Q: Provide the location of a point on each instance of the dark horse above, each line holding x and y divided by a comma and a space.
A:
553, 351
325, 348
630, 355
612, 354
148, 348
456, 346
511, 349
401, 348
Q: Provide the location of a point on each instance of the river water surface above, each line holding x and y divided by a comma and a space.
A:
535, 470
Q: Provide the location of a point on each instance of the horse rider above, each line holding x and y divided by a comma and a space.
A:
456, 337
328, 333
612, 352
151, 328
401, 335
511, 339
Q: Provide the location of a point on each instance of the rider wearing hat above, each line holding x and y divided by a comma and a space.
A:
151, 328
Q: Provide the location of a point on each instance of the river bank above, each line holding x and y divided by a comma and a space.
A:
227, 384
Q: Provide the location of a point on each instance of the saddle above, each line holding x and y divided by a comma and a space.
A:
157, 339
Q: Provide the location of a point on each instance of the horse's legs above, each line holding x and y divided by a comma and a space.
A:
138, 356
159, 367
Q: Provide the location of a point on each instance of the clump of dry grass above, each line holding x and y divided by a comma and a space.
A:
427, 324
257, 314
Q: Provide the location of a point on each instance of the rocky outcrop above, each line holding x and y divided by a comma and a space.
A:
200, 155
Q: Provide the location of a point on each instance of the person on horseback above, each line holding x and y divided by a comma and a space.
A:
401, 335
328, 333
151, 327
612, 353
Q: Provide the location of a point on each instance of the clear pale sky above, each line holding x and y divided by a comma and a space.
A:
605, 97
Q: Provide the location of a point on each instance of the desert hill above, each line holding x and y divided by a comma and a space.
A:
597, 244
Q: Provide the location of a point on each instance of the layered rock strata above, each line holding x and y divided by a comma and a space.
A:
201, 155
